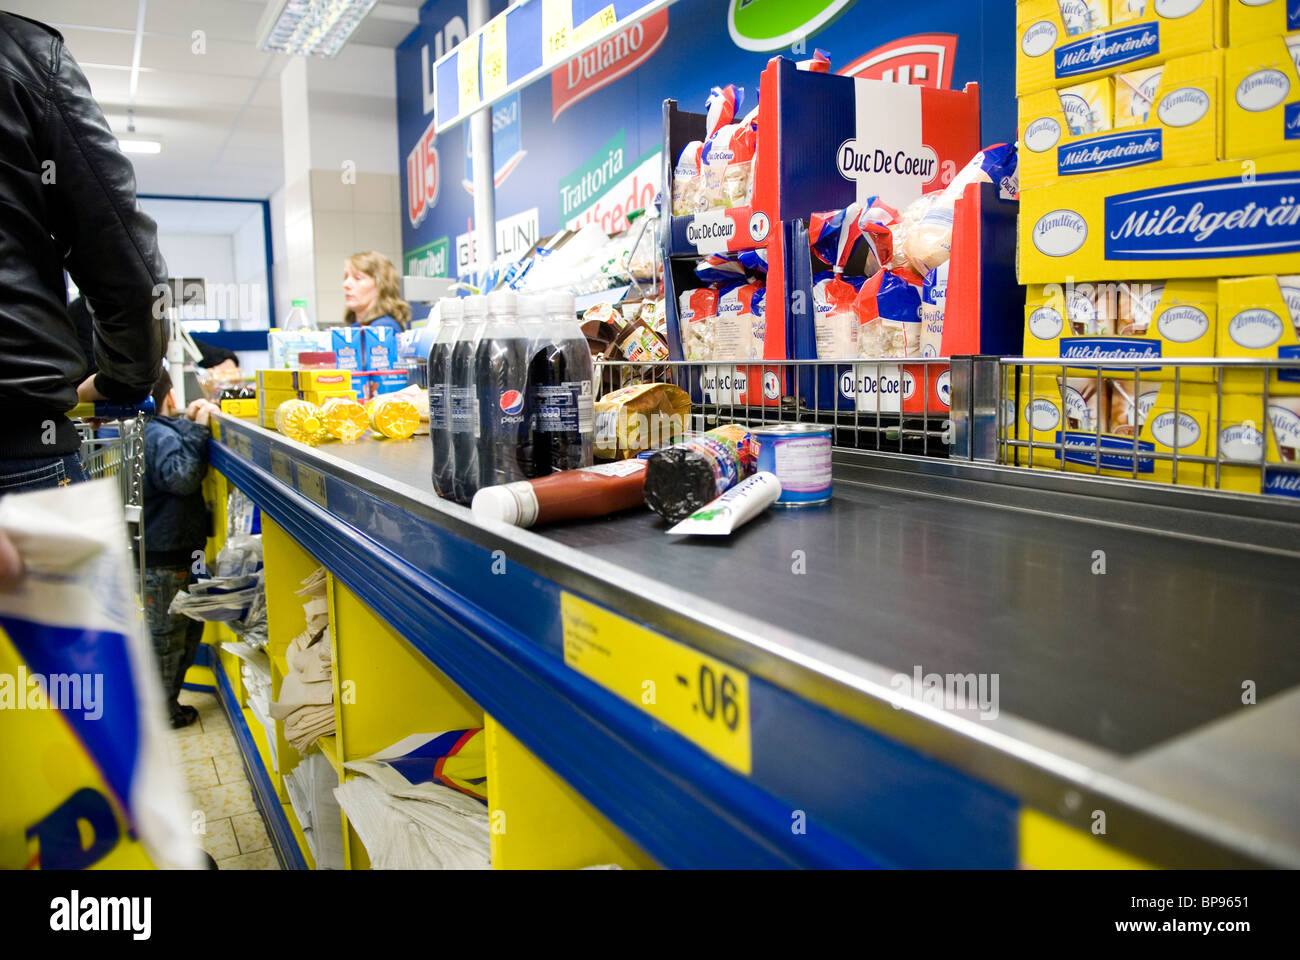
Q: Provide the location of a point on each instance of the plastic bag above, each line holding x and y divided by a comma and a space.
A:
241, 555
82, 744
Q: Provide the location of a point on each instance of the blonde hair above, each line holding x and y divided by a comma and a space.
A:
388, 287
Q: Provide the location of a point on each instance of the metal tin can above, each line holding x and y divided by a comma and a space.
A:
800, 456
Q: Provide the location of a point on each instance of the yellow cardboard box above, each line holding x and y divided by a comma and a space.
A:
268, 401
1143, 224
1086, 411
1182, 127
239, 408
305, 380
1049, 55
1258, 317
1262, 97
1245, 434
1255, 19
1124, 321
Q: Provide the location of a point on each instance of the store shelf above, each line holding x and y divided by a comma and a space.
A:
1112, 688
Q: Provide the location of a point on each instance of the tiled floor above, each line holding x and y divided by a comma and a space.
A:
207, 757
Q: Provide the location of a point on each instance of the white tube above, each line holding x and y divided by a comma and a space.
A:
735, 508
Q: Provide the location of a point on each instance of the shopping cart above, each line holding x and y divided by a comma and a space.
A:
112, 445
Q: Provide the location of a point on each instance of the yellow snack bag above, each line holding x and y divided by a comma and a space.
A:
393, 417
301, 421
345, 419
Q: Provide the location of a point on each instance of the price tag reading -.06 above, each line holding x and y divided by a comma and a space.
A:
467, 73
557, 29
494, 57
703, 699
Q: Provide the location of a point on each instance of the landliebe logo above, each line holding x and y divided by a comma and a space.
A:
1109, 49
1042, 134
1060, 233
923, 60
512, 401
422, 180
1263, 90
1229, 217
1183, 324
1255, 329
1110, 152
1184, 107
607, 61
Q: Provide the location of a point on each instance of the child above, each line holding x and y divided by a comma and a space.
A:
175, 530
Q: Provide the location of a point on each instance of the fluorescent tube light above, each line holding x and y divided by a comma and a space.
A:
316, 28
134, 144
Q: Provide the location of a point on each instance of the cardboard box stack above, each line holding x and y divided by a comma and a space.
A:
1159, 218
276, 386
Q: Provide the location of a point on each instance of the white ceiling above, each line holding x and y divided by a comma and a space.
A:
199, 216
218, 113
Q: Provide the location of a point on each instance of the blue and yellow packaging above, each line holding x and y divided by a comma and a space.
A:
1086, 410
1124, 321
1244, 433
1258, 317
1210, 220
1089, 108
380, 348
347, 348
1262, 97
1164, 117
1256, 19
1048, 55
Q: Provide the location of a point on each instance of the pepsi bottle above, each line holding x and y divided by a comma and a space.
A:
560, 375
501, 370
462, 401
439, 380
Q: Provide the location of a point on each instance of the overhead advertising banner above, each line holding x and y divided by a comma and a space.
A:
586, 147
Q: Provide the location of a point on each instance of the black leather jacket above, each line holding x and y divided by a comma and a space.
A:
67, 201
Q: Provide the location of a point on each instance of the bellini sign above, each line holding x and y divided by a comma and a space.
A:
607, 61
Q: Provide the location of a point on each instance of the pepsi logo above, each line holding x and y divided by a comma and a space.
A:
512, 401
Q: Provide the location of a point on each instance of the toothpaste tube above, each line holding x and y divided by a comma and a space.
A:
934, 299
720, 268
835, 325
1084, 16
684, 477
888, 309
695, 312
688, 180
734, 508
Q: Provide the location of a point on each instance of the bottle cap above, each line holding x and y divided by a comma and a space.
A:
502, 301
497, 504
531, 306
475, 307
560, 302
298, 303
450, 308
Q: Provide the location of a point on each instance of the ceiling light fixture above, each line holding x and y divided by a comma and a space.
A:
317, 28
133, 144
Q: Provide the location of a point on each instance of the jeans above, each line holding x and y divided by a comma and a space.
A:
175, 637
19, 476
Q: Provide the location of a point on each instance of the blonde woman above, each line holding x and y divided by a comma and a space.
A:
372, 292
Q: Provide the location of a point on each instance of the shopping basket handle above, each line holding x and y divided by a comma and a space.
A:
108, 410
